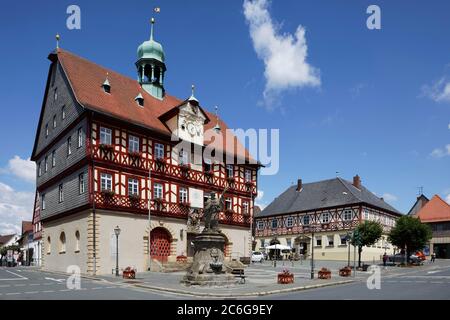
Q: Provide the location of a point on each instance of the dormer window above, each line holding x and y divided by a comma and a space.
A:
54, 121
106, 86
139, 99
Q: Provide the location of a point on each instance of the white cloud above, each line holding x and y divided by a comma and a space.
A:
389, 197
439, 153
258, 200
447, 198
439, 91
15, 206
24, 169
284, 55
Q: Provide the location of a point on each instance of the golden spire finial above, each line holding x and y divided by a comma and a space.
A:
57, 40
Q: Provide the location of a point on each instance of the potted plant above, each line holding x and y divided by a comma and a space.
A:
185, 204
134, 199
209, 173
135, 154
285, 277
105, 147
229, 211
160, 161
324, 273
345, 271
108, 193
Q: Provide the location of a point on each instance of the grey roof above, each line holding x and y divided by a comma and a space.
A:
419, 204
323, 194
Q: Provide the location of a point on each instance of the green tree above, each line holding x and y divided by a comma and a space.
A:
366, 234
411, 234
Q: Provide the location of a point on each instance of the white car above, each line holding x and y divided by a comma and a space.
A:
257, 256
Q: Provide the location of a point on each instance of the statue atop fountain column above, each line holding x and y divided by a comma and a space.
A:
211, 212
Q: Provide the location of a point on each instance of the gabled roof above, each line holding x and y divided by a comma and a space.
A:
436, 210
419, 204
323, 194
86, 78
6, 238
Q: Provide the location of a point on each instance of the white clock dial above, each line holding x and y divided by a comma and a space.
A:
191, 128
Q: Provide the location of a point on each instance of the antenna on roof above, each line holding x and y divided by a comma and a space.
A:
420, 190
337, 174
57, 40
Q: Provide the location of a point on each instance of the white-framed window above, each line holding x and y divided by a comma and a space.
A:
306, 220
46, 130
288, 242
62, 242
105, 135
46, 164
69, 146
325, 217
260, 226
54, 121
245, 208
366, 215
133, 186
274, 223
106, 182
183, 195
319, 241
289, 222
63, 112
61, 193
77, 241
133, 144
158, 191
81, 184
330, 241
39, 169
348, 215
80, 137
43, 204
228, 204
159, 150
230, 171
53, 158
248, 175
183, 157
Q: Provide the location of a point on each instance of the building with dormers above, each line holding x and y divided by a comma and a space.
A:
107, 154
331, 208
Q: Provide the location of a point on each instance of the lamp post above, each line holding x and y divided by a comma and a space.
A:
117, 232
313, 229
347, 238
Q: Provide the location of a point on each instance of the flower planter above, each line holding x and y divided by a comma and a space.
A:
135, 155
285, 277
324, 273
182, 259
345, 272
129, 273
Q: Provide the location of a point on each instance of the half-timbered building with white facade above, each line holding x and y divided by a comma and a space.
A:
107, 155
321, 214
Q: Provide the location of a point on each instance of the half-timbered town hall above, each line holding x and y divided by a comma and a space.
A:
106, 155
321, 214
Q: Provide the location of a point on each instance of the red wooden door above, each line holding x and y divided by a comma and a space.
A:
160, 244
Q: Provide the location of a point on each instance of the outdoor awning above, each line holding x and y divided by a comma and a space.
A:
279, 247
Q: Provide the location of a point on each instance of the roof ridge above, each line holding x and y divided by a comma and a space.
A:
346, 187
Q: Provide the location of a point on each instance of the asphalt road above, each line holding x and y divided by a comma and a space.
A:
23, 284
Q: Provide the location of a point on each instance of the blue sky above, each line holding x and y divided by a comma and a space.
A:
381, 108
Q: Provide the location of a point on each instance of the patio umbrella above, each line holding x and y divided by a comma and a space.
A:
279, 247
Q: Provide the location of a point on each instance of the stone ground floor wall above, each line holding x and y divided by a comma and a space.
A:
337, 251
440, 246
133, 241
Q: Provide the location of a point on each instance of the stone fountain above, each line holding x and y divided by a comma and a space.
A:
209, 267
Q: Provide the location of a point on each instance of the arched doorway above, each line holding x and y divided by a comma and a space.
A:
160, 240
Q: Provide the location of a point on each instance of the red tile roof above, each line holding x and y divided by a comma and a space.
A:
86, 80
435, 210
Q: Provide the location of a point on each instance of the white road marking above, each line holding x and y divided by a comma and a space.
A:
435, 271
31, 292
18, 275
57, 280
13, 293
48, 291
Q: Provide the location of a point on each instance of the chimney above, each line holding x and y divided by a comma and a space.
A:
382, 199
299, 185
357, 182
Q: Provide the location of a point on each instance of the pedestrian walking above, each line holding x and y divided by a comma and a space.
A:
433, 257
385, 258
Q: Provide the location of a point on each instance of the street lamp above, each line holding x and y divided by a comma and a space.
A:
117, 232
313, 229
348, 238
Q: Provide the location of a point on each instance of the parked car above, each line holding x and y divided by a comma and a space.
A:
400, 258
257, 256
421, 255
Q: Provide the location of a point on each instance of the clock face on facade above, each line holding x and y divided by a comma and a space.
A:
191, 128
